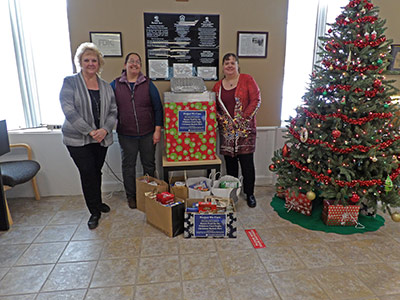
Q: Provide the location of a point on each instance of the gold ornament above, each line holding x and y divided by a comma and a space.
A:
395, 217
308, 160
310, 195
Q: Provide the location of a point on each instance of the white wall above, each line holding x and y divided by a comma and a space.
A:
59, 176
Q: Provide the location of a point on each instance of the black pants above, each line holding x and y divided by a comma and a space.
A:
248, 171
90, 159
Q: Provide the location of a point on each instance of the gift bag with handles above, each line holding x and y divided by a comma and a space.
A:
199, 187
146, 184
231, 190
180, 191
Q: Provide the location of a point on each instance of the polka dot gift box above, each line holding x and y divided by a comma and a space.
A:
190, 126
339, 215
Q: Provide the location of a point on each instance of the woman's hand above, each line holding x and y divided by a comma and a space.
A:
157, 135
98, 135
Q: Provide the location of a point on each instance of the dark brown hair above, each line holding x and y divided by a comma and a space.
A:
127, 58
132, 53
229, 55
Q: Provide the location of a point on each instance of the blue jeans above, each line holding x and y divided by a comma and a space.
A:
130, 147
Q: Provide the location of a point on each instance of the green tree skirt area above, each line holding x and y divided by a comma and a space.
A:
314, 222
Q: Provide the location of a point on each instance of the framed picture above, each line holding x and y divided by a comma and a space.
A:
252, 44
395, 52
109, 43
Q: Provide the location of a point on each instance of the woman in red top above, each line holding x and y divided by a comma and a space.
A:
238, 99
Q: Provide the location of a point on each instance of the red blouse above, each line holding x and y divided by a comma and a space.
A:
228, 98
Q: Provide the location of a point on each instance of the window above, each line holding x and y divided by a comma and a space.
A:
37, 51
306, 20
10, 101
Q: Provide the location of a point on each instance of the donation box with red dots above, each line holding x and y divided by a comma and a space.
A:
190, 126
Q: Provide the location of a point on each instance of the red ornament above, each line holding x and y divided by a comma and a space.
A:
377, 83
272, 167
336, 133
285, 151
329, 171
355, 198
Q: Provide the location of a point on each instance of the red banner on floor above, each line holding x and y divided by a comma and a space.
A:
255, 238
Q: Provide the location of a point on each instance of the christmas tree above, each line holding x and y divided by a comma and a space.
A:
342, 144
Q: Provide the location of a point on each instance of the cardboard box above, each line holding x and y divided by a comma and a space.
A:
298, 203
339, 215
207, 207
169, 219
143, 187
190, 126
209, 225
165, 198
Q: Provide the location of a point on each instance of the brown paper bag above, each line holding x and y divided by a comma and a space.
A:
142, 187
179, 191
169, 219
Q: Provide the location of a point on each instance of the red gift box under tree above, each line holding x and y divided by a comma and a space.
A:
298, 202
340, 215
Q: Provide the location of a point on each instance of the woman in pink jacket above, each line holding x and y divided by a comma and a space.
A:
238, 99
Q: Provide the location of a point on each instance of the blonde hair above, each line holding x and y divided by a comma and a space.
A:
88, 47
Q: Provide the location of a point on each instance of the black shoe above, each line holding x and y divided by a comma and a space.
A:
104, 208
132, 202
93, 221
251, 201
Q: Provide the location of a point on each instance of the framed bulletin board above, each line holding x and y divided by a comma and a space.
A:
252, 44
109, 43
181, 45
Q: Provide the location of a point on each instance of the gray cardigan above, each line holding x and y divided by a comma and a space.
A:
77, 108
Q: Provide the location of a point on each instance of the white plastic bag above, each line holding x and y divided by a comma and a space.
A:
232, 193
195, 193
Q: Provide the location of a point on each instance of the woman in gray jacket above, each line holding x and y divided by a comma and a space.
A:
88, 103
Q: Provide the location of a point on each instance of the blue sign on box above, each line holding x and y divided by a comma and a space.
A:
209, 225
191, 121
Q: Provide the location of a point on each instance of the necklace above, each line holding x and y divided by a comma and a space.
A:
232, 82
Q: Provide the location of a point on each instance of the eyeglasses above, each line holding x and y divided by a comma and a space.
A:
137, 62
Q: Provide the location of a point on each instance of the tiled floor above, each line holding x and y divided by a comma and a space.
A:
51, 254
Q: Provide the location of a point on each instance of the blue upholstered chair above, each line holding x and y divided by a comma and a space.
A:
20, 171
